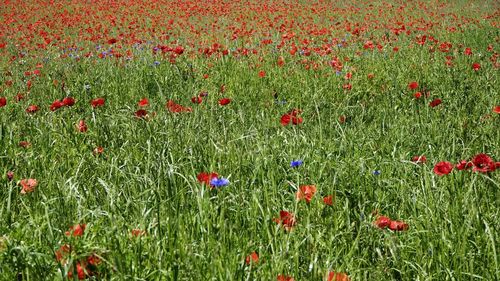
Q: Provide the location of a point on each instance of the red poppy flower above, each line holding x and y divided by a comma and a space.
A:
206, 177
28, 185
291, 116
98, 150
93, 260
262, 74
68, 101
468, 51
97, 102
112, 41
24, 144
56, 105
76, 230
3, 101
382, 222
419, 159
483, 163
141, 114
62, 252
32, 109
435, 103
328, 200
196, 100
178, 50
443, 168
368, 45
342, 119
462, 165
19, 97
370, 75
398, 226
282, 277
82, 126
286, 219
137, 232
144, 102
476, 66
306, 192
337, 276
224, 101
252, 258
177, 108
496, 109
413, 85
281, 61
417, 95
80, 272
285, 119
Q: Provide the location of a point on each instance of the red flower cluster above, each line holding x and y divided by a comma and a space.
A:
286, 219
384, 222
3, 101
496, 109
98, 102
413, 85
136, 232
197, 99
306, 192
419, 159
76, 230
177, 108
443, 168
337, 276
282, 277
481, 163
32, 109
435, 102
205, 178
252, 258
143, 102
224, 101
28, 185
67, 101
328, 200
142, 113
85, 267
291, 116
82, 126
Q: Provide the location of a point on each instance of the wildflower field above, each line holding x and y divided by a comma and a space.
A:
249, 140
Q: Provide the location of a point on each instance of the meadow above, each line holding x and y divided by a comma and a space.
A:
249, 140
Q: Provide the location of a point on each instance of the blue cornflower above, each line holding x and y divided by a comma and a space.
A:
156, 63
296, 163
376, 172
219, 182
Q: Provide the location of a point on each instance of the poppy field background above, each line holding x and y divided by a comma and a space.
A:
249, 140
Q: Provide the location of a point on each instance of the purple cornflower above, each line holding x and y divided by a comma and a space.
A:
296, 163
219, 182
